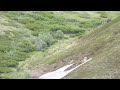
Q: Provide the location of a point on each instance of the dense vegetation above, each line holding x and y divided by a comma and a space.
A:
25, 32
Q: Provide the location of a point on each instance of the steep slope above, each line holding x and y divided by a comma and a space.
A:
103, 45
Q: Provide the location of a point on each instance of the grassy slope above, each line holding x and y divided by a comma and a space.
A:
20, 25
104, 44
57, 57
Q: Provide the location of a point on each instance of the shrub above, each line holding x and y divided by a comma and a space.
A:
17, 55
4, 48
70, 29
58, 34
5, 70
26, 46
40, 45
103, 14
71, 20
97, 23
47, 38
2, 55
43, 41
56, 27
12, 63
8, 63
33, 26
35, 33
108, 20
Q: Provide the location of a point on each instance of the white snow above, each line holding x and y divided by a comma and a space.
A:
60, 73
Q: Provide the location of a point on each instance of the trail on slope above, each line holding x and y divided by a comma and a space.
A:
62, 72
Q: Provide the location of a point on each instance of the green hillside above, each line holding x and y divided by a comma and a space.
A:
32, 40
103, 45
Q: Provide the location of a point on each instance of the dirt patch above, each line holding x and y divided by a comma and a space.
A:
76, 59
48, 68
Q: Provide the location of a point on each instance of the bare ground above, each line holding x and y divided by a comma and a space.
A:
76, 59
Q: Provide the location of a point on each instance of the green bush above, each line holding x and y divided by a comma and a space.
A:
97, 23
4, 48
8, 62
50, 15
58, 34
108, 20
103, 14
33, 26
35, 33
12, 63
5, 70
17, 56
26, 46
40, 45
43, 41
55, 27
47, 38
2, 55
